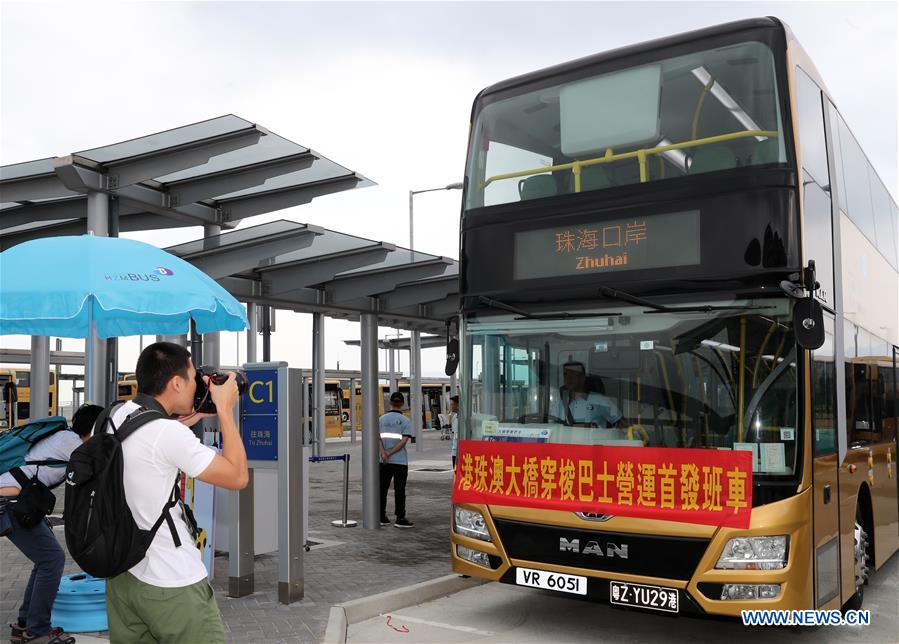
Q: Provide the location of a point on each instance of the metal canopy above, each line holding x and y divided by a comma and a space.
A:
213, 172
315, 270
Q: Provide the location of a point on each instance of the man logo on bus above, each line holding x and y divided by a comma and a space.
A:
593, 548
162, 270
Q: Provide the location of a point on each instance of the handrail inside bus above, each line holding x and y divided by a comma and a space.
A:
640, 155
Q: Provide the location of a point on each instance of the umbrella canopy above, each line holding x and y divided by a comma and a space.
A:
59, 285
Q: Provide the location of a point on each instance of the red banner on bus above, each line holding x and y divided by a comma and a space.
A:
708, 486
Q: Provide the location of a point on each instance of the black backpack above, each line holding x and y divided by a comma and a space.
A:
101, 534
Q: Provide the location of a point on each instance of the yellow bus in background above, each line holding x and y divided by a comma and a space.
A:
433, 397
127, 387
333, 408
22, 406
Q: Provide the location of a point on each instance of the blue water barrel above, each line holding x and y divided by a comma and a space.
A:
80, 605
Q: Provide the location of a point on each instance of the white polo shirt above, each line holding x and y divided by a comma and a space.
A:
594, 408
153, 456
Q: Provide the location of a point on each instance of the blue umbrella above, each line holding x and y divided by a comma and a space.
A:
63, 286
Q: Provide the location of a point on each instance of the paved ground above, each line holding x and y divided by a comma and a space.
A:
364, 562
496, 613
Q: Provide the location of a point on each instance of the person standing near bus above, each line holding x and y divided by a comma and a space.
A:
395, 431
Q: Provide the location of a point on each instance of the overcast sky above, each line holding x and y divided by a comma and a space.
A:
382, 88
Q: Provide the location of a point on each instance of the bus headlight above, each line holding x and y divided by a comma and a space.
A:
750, 591
754, 553
474, 556
470, 523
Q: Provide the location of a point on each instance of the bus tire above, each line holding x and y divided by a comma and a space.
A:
861, 549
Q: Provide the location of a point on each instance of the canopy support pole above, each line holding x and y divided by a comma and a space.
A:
318, 383
371, 479
415, 402
391, 367
266, 334
241, 525
40, 377
212, 341
95, 348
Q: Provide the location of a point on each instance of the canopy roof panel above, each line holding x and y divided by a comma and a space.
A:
218, 171
270, 147
27, 169
309, 269
169, 139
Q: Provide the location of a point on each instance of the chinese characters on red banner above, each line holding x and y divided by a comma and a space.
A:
712, 487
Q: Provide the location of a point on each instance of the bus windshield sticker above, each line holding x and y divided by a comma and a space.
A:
750, 447
654, 241
705, 486
787, 434
516, 433
773, 460
646, 345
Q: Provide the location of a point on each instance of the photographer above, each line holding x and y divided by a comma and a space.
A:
38, 542
166, 597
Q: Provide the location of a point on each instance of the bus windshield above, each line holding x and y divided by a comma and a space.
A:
712, 110
725, 379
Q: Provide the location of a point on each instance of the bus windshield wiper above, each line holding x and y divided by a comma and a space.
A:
614, 294
525, 315
496, 304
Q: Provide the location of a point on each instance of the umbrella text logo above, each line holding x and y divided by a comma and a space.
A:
133, 277
162, 270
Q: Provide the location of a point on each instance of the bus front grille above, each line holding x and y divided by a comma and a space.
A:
636, 554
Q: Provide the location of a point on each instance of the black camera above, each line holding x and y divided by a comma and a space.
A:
203, 399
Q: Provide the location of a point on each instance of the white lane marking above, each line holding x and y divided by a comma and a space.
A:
454, 627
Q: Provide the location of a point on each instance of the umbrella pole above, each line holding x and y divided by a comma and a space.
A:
89, 357
94, 361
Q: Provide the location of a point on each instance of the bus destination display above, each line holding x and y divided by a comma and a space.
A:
656, 241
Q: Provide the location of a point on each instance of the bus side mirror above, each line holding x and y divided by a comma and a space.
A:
452, 346
808, 323
452, 356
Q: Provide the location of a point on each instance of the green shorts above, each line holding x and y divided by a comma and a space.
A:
139, 612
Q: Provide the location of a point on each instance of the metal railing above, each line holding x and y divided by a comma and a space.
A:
640, 155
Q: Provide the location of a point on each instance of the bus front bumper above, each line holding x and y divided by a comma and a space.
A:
685, 563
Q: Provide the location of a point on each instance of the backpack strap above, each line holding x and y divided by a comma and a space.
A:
100, 423
19, 476
166, 515
137, 419
51, 462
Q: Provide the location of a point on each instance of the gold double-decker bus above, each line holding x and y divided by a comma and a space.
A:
647, 237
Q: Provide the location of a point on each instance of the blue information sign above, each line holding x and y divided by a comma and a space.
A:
260, 437
260, 415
